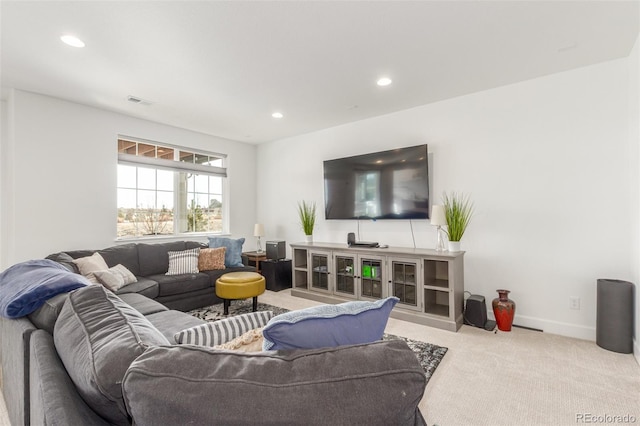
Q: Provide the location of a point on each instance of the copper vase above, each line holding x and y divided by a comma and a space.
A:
503, 309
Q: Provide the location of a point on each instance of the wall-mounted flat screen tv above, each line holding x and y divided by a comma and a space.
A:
390, 184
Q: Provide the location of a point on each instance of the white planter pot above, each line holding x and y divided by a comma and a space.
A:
308, 238
454, 246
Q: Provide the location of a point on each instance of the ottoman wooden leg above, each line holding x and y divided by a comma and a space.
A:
226, 303
255, 303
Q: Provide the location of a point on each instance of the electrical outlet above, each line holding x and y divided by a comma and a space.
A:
574, 303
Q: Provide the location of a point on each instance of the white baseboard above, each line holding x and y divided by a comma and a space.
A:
556, 327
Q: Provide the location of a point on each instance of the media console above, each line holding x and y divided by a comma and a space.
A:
429, 284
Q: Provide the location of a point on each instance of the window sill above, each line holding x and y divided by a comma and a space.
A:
191, 236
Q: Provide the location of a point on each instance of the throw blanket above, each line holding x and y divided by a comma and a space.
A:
25, 287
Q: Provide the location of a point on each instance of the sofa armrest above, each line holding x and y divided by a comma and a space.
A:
374, 384
54, 399
15, 337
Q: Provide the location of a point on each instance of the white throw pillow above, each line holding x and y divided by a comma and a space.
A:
90, 264
219, 332
183, 262
115, 278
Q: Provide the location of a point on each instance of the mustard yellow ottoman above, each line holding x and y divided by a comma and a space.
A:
239, 285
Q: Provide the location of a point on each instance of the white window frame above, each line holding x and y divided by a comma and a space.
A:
179, 166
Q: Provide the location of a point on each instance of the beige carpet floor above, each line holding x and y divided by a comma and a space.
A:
518, 378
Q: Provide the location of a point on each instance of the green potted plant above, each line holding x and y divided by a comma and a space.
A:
307, 215
458, 210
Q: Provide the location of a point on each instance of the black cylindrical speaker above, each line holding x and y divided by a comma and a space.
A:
614, 315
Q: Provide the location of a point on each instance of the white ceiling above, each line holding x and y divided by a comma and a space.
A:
223, 67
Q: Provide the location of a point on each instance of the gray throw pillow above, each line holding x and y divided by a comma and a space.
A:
97, 336
115, 277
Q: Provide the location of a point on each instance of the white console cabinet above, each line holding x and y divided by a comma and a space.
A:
429, 284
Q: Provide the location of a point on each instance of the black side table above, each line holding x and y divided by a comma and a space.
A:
277, 273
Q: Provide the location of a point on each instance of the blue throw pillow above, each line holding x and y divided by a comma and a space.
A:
233, 252
349, 323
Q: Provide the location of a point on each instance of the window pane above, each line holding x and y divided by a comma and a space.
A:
146, 178
201, 159
165, 153
202, 200
126, 147
202, 183
186, 156
215, 185
146, 150
217, 162
126, 198
215, 204
164, 199
191, 180
151, 221
165, 180
146, 199
126, 176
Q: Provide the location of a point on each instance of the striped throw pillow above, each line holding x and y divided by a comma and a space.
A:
183, 262
219, 332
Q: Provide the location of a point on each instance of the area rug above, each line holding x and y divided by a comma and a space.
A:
429, 355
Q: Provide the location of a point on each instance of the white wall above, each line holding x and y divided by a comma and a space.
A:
546, 162
4, 135
60, 187
634, 158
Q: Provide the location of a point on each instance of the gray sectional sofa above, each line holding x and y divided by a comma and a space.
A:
93, 357
149, 263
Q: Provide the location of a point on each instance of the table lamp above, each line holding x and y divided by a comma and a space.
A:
258, 231
438, 219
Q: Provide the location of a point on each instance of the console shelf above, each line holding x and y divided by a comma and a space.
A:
429, 284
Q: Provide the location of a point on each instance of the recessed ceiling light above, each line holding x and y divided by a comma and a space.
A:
72, 40
384, 81
277, 115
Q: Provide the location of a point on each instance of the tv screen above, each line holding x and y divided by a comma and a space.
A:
382, 185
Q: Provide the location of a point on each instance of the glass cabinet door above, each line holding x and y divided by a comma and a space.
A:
320, 271
371, 278
403, 282
345, 275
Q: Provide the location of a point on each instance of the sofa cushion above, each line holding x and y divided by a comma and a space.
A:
77, 254
224, 330
215, 274
65, 260
45, 316
321, 326
223, 387
178, 284
90, 264
124, 254
145, 286
195, 244
97, 336
211, 259
233, 252
170, 322
154, 258
142, 304
115, 277
183, 262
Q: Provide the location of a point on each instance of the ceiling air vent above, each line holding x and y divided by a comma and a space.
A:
136, 100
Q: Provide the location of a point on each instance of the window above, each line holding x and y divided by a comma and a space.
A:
164, 190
